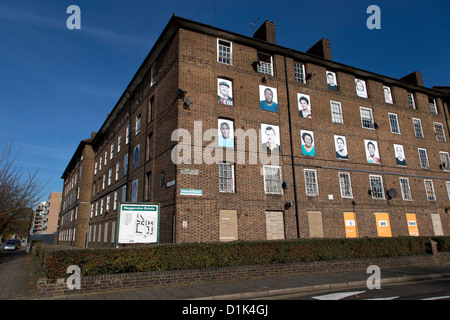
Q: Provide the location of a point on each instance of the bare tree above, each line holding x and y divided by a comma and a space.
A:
19, 191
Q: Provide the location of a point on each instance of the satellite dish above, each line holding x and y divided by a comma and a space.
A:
391, 193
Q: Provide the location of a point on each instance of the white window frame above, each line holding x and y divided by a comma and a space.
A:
263, 66
429, 190
374, 194
311, 183
138, 123
223, 186
222, 55
372, 126
411, 102
299, 72
117, 170
127, 137
109, 176
336, 112
345, 186
422, 160
445, 160
418, 122
405, 188
432, 105
448, 189
277, 190
119, 142
112, 151
153, 74
440, 133
393, 122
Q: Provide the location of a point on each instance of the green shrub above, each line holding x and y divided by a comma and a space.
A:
55, 259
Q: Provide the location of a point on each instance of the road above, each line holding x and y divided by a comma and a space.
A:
16, 279
437, 289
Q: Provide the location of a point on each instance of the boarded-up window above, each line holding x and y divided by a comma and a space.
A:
228, 225
274, 225
315, 224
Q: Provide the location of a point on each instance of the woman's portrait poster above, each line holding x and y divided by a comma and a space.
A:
308, 145
361, 89
340, 145
304, 105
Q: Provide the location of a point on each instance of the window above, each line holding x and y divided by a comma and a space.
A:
153, 74
100, 164
117, 170
101, 207
336, 112
124, 193
393, 120
152, 108
136, 156
163, 178
224, 51
106, 157
448, 189
115, 201
299, 72
104, 180
112, 151
226, 177
109, 176
423, 158
345, 184
108, 202
429, 189
264, 63
125, 164
432, 104
412, 104
119, 143
138, 123
376, 187
418, 128
445, 160
366, 118
127, 138
95, 168
272, 180
311, 183
439, 131
406, 190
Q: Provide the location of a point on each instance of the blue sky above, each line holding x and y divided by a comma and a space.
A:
58, 85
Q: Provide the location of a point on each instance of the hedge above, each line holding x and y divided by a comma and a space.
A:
55, 259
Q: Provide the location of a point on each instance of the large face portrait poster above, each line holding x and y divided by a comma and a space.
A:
340, 144
270, 138
138, 223
372, 154
361, 89
224, 92
387, 95
308, 146
226, 133
268, 98
399, 155
331, 81
304, 105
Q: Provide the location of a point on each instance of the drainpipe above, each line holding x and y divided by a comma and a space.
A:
292, 148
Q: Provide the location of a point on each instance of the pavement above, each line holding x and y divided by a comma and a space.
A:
16, 283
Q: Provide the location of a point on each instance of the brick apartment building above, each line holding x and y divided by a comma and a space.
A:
367, 157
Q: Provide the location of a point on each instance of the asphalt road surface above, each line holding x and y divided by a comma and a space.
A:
437, 289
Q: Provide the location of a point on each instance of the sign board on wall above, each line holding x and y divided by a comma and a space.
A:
383, 225
138, 223
351, 230
412, 224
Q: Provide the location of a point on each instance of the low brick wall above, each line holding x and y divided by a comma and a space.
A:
128, 281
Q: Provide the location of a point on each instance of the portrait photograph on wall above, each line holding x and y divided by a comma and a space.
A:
332, 81
268, 98
308, 145
225, 92
361, 89
304, 105
340, 144
226, 133
399, 155
388, 95
270, 138
372, 154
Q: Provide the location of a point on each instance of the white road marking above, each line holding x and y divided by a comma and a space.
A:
337, 296
437, 298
